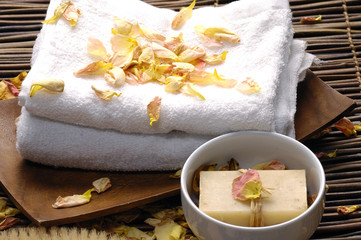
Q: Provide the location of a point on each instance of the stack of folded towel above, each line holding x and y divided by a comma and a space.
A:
76, 129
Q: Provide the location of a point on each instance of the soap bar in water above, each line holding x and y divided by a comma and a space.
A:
287, 200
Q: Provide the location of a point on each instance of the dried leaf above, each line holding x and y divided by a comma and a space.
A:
71, 14
96, 48
122, 26
153, 109
311, 19
247, 186
271, 165
5, 92
115, 76
343, 210
248, 86
58, 12
188, 89
183, 15
18, 80
52, 85
105, 95
95, 68
346, 126
102, 184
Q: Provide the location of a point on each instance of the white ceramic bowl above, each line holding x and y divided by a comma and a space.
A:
250, 148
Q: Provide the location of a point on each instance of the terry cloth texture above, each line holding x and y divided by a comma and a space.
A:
116, 135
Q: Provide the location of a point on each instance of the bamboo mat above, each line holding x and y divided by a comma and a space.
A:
336, 40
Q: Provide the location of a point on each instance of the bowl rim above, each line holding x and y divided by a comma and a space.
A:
186, 196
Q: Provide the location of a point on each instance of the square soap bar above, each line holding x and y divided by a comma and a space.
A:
287, 200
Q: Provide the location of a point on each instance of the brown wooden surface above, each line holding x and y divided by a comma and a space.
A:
33, 188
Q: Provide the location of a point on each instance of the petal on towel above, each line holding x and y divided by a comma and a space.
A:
247, 186
52, 85
191, 54
147, 56
162, 52
123, 43
147, 33
182, 67
219, 34
58, 12
18, 80
215, 58
102, 184
71, 14
153, 109
248, 86
173, 83
176, 44
189, 89
96, 48
182, 16
115, 76
122, 26
95, 68
105, 95
205, 78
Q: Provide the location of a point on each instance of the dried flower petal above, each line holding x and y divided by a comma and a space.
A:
248, 86
71, 14
182, 67
102, 184
122, 26
122, 59
173, 83
329, 155
196, 177
147, 56
188, 89
215, 58
153, 109
52, 85
231, 165
58, 12
205, 78
247, 186
8, 222
5, 92
311, 19
271, 165
96, 48
12, 88
175, 44
72, 201
343, 210
183, 15
18, 80
177, 174
346, 126
219, 34
115, 76
105, 95
191, 54
123, 44
162, 52
130, 232
148, 34
168, 229
95, 68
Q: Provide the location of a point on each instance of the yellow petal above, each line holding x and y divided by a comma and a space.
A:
122, 43
205, 78
183, 15
188, 89
115, 76
248, 86
162, 52
219, 34
52, 85
183, 67
96, 48
70, 201
122, 60
175, 44
95, 68
247, 186
191, 54
168, 229
18, 80
58, 12
215, 58
71, 14
147, 56
153, 109
148, 34
102, 184
173, 83
105, 95
5, 92
343, 210
122, 26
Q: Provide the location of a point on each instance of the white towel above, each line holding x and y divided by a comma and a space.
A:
66, 145
266, 32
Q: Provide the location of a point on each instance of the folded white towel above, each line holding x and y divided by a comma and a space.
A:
66, 145
266, 32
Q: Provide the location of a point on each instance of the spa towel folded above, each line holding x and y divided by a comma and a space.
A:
263, 54
67, 145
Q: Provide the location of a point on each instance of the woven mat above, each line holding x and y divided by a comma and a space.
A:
336, 40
